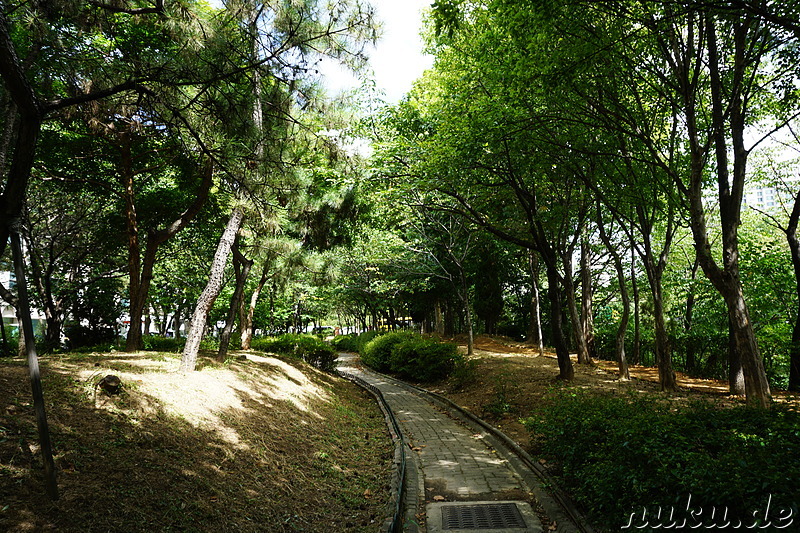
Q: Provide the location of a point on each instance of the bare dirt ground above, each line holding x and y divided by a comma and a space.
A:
262, 444
511, 378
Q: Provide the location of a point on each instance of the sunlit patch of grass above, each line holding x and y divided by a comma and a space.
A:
245, 446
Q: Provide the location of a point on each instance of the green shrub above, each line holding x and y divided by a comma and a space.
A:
617, 455
377, 352
464, 373
364, 338
421, 359
345, 343
410, 355
209, 343
153, 343
306, 347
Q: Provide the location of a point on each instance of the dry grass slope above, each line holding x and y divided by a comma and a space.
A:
257, 444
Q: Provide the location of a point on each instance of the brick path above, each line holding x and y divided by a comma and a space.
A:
456, 462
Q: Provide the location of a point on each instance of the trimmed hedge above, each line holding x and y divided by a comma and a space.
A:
411, 356
306, 347
619, 455
377, 353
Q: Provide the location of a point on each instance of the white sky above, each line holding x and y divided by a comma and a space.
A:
397, 60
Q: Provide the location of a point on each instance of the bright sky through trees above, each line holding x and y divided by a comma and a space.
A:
398, 59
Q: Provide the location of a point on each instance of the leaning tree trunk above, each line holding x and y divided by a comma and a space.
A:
210, 293
242, 267
24, 315
755, 377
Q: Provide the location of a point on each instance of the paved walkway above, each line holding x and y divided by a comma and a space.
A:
456, 463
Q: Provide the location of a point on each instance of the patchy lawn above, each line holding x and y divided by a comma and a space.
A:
256, 444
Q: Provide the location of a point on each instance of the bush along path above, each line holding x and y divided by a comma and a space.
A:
458, 475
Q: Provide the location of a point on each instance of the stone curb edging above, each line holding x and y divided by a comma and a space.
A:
555, 502
396, 522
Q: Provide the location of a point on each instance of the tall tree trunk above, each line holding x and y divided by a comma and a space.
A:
572, 308
26, 327
725, 278
177, 321
736, 385
535, 329
794, 247
654, 268
242, 267
587, 291
688, 321
468, 313
247, 326
209, 295
565, 369
136, 310
636, 353
141, 273
622, 327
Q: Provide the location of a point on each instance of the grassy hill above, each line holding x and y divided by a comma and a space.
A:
257, 444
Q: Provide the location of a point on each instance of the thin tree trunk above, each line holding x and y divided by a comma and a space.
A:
468, 313
439, 317
622, 327
574, 315
636, 354
177, 321
535, 332
587, 290
247, 327
242, 267
26, 327
211, 291
688, 321
666, 375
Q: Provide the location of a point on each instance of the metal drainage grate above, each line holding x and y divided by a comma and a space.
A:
482, 516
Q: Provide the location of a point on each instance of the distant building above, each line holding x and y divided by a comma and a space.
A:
8, 312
